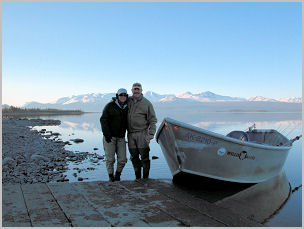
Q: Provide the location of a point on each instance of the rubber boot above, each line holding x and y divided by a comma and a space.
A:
146, 169
111, 178
117, 176
138, 173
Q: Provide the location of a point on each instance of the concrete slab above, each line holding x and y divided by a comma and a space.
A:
79, 212
178, 210
144, 203
220, 214
14, 211
42, 207
148, 213
118, 213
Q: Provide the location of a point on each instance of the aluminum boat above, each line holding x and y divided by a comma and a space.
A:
245, 157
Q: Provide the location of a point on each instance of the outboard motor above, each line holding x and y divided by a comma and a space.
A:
240, 135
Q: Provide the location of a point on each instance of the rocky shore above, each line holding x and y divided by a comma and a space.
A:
28, 157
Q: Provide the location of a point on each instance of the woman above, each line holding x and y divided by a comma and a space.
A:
114, 124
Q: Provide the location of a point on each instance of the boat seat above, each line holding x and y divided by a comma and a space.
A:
240, 135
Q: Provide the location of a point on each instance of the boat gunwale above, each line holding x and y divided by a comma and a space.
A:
229, 139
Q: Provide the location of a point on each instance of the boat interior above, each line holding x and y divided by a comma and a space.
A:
268, 137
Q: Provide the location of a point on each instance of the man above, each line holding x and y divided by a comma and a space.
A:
141, 129
114, 124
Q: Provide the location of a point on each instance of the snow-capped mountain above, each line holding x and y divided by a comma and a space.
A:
285, 100
96, 101
85, 102
261, 99
85, 98
290, 100
154, 97
208, 97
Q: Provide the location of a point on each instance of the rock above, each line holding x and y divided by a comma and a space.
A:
5, 168
8, 161
154, 157
29, 156
95, 148
94, 160
77, 140
36, 157
100, 157
75, 174
90, 168
80, 179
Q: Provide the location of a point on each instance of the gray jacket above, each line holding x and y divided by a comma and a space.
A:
141, 115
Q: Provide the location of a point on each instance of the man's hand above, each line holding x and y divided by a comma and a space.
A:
108, 139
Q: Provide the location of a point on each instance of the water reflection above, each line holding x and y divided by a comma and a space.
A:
259, 202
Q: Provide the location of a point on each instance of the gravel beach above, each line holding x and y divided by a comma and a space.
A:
28, 157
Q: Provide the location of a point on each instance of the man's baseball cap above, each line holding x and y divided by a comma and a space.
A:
122, 91
137, 85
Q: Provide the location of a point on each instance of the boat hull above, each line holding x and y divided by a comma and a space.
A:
197, 151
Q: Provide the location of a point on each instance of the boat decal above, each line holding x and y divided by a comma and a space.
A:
187, 144
222, 151
176, 127
242, 155
202, 139
166, 127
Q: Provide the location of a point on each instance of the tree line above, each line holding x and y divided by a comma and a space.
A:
13, 109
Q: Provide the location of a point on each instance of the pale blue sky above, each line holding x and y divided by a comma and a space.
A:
52, 50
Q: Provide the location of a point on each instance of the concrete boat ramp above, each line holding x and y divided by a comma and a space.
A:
124, 204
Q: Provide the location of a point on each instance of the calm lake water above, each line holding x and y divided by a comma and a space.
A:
87, 127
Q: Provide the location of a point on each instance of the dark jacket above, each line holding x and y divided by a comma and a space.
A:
114, 120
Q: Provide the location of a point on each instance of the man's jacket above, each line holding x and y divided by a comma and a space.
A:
114, 119
141, 115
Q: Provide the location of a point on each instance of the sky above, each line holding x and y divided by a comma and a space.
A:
53, 50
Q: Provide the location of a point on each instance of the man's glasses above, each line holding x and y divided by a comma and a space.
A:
123, 95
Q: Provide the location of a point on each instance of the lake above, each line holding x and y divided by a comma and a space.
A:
87, 127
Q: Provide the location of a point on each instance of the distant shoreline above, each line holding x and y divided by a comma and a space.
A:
40, 113
243, 111
15, 111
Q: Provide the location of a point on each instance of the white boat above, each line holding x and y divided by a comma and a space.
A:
244, 157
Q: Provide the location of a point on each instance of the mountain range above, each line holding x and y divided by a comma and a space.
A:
96, 101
